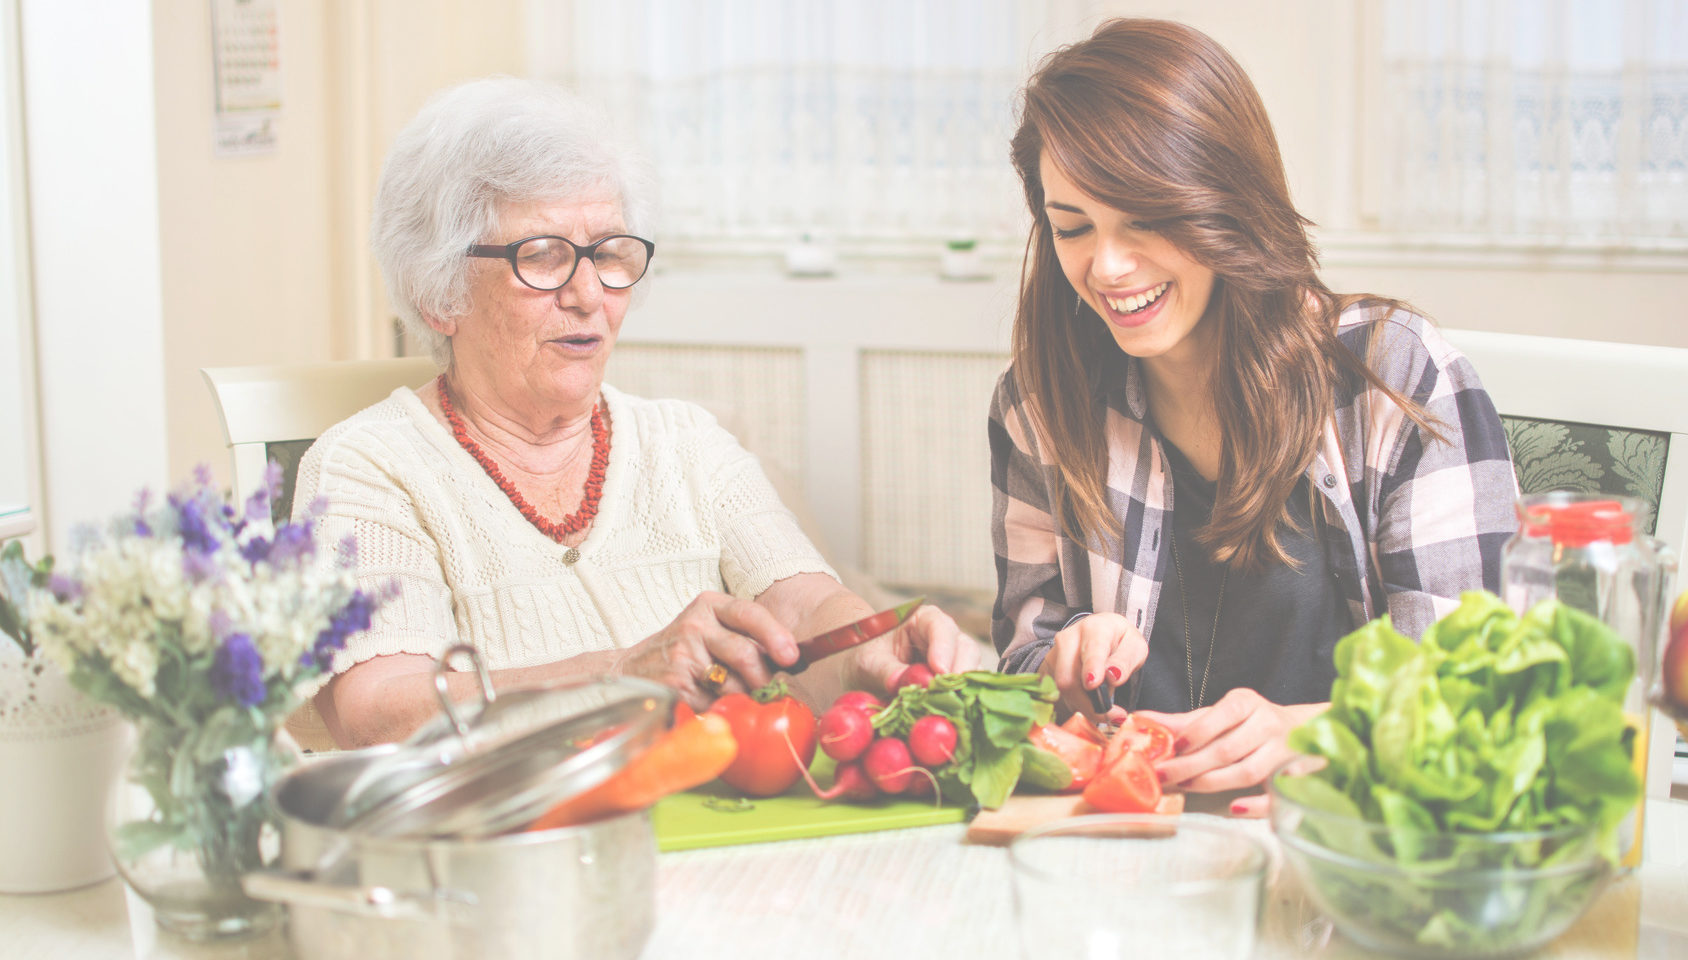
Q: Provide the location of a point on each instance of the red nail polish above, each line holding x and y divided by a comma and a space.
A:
1180, 745
1115, 673
1090, 678
1160, 775
1239, 808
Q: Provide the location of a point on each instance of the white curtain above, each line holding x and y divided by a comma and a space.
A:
1545, 119
866, 120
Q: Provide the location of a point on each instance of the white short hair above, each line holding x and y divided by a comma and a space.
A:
471, 151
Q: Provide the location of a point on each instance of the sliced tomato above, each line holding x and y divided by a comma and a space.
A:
1141, 736
1128, 785
1080, 755
1080, 725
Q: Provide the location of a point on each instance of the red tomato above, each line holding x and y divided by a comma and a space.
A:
1080, 755
764, 766
1127, 786
1079, 725
1141, 736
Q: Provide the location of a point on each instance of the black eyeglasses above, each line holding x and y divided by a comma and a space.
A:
548, 263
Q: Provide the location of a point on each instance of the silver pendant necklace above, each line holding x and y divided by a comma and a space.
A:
1184, 600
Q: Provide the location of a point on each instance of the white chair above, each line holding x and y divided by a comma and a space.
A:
276, 412
1637, 396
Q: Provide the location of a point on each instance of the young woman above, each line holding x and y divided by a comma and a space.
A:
1208, 467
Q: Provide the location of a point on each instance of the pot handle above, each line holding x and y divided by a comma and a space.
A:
300, 889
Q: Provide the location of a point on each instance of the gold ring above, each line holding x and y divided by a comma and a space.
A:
714, 678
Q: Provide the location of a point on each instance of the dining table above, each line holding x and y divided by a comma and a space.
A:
910, 893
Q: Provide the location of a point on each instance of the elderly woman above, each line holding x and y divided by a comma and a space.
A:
520, 503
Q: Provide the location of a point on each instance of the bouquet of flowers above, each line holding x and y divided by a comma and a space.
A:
204, 622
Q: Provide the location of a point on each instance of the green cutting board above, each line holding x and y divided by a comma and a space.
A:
708, 816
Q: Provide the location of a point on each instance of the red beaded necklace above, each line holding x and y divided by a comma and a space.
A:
556, 530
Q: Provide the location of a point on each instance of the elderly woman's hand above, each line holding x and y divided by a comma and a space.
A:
741, 634
929, 636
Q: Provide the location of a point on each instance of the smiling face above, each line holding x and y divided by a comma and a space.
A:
540, 353
1150, 293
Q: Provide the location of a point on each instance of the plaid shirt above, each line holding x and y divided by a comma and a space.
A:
1410, 522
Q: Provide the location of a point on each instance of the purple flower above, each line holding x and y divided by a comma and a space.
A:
258, 505
351, 618
195, 528
237, 671
293, 542
198, 566
64, 589
256, 551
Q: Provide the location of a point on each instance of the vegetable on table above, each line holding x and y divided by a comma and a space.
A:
776, 739
1491, 722
695, 751
992, 715
1128, 785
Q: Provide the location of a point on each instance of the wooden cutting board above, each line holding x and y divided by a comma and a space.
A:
1021, 813
709, 816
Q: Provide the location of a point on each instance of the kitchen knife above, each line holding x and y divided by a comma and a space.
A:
851, 634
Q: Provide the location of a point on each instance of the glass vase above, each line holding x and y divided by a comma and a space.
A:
191, 816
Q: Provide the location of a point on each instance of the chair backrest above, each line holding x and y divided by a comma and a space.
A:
275, 412
1601, 418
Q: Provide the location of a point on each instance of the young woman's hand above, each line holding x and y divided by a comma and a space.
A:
1101, 648
929, 636
1231, 744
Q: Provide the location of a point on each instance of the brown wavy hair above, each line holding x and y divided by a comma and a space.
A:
1156, 118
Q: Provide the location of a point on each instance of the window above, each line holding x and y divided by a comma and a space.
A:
866, 122
1565, 120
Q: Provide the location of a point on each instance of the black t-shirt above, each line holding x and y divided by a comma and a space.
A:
1277, 628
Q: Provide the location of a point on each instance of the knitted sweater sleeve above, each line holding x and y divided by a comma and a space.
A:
761, 540
356, 473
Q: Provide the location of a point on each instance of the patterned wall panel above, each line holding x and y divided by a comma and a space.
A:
926, 468
756, 392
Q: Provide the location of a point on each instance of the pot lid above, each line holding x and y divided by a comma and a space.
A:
492, 767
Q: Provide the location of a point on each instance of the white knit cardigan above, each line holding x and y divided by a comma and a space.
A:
685, 509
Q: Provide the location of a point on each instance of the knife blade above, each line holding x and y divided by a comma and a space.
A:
839, 639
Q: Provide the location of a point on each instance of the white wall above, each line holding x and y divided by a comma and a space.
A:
245, 263
99, 318
17, 353
265, 258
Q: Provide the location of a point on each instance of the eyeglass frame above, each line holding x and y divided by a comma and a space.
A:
507, 253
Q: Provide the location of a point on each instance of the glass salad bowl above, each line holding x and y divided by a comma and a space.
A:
1433, 894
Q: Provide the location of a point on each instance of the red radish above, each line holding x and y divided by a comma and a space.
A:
932, 741
888, 764
917, 674
849, 783
858, 700
845, 732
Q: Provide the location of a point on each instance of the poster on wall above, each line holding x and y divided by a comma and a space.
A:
246, 61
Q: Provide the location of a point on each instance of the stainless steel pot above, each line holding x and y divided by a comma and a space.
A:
586, 891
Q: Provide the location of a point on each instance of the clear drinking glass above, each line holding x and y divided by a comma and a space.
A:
1124, 886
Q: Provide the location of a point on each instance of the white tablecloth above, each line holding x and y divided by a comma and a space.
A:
897, 894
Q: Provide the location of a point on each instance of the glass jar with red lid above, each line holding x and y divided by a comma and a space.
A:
1590, 551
